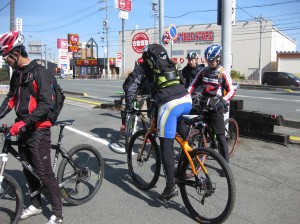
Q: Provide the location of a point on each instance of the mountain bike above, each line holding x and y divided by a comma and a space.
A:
208, 197
204, 136
80, 174
134, 118
135, 115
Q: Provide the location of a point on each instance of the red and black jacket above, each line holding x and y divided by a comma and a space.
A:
31, 107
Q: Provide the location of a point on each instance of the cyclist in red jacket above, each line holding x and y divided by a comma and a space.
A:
32, 113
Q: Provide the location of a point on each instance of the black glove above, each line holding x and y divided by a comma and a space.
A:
221, 105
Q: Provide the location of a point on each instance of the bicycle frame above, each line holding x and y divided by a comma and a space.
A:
183, 143
9, 148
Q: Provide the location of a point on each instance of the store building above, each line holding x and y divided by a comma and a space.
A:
246, 48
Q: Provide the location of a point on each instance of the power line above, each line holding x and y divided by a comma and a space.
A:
4, 6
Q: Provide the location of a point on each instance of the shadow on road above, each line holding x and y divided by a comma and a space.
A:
120, 177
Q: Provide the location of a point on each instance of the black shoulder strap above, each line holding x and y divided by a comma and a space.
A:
31, 89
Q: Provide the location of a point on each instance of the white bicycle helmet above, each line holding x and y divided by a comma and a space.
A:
10, 41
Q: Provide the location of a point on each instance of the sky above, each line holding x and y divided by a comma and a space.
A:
46, 21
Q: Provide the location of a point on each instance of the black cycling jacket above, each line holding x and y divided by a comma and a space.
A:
141, 72
33, 110
189, 73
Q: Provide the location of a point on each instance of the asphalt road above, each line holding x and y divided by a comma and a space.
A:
267, 179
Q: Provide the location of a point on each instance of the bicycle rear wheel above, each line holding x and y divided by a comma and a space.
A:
231, 134
11, 201
208, 198
144, 168
81, 175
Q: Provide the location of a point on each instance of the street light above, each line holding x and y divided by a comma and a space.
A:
45, 51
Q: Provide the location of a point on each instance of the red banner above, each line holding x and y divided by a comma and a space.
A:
73, 43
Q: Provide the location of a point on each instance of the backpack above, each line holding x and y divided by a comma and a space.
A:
57, 96
164, 69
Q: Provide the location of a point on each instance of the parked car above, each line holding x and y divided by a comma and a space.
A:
280, 79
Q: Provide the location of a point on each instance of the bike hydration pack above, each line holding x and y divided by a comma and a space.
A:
164, 69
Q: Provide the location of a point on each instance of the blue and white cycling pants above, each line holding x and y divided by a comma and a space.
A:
169, 113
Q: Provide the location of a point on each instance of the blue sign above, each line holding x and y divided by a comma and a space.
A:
173, 32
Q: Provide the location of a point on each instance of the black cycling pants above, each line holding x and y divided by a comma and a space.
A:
37, 152
216, 121
167, 153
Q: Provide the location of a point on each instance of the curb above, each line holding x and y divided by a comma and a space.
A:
75, 93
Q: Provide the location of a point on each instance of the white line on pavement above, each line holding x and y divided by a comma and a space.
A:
103, 141
114, 147
266, 98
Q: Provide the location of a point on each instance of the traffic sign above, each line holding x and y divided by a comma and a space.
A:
173, 32
139, 41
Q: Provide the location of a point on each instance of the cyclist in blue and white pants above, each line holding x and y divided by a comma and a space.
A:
172, 100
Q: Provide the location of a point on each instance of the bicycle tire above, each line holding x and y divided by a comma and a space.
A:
83, 174
144, 172
198, 139
213, 198
11, 200
129, 130
231, 134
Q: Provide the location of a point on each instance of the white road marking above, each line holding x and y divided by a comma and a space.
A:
100, 140
266, 98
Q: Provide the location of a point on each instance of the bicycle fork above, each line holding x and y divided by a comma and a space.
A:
4, 159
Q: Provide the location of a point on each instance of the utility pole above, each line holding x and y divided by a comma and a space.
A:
105, 30
12, 15
12, 27
260, 19
161, 19
226, 34
154, 6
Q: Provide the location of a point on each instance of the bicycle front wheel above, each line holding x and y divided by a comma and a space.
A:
130, 128
143, 163
210, 197
11, 200
81, 174
231, 134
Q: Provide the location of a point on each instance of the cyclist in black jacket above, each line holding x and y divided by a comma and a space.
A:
172, 100
32, 111
144, 88
192, 68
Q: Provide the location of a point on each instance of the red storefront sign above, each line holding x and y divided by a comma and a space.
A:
86, 62
73, 43
195, 36
139, 41
124, 5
